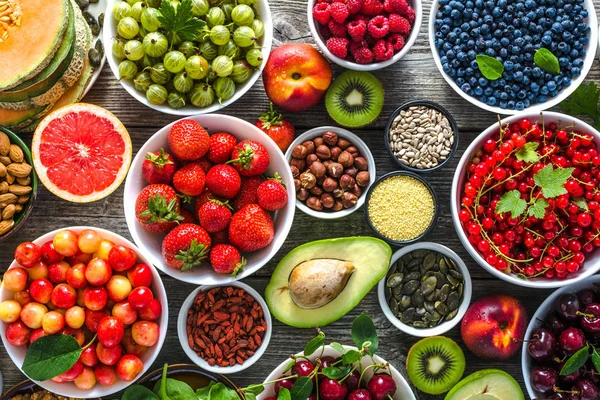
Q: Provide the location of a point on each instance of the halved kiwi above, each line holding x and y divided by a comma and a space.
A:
354, 99
435, 364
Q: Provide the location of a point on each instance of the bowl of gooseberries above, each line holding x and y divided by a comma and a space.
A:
95, 286
525, 202
187, 57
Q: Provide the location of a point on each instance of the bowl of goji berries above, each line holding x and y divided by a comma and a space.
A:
364, 35
525, 200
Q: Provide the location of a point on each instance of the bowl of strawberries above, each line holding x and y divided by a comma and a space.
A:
210, 199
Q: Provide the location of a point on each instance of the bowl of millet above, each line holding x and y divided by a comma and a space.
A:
506, 57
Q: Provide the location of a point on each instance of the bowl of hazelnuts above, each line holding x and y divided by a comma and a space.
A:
332, 169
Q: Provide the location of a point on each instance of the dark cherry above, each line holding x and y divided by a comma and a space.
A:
571, 378
326, 362
303, 368
543, 379
286, 383
586, 296
312, 397
590, 319
556, 325
330, 389
571, 340
381, 385
351, 381
556, 396
567, 306
360, 394
542, 345
587, 390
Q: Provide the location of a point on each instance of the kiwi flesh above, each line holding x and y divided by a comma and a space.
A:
435, 364
354, 99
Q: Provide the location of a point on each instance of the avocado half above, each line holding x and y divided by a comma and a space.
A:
487, 384
319, 282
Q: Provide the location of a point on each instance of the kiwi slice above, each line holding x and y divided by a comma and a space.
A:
354, 99
435, 364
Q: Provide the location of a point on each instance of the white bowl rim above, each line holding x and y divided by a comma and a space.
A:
159, 262
464, 304
587, 65
189, 110
455, 206
364, 150
183, 338
417, 6
99, 390
534, 323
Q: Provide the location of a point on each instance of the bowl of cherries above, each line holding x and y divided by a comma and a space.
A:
561, 351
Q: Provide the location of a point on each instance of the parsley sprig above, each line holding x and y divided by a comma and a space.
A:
180, 22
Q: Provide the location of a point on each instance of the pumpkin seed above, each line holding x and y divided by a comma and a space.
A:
410, 287
456, 274
83, 4
417, 298
445, 292
420, 325
404, 302
441, 279
428, 285
101, 20
419, 253
95, 58
413, 276
393, 304
453, 281
414, 263
451, 315
395, 280
429, 261
408, 316
99, 46
397, 290
420, 311
441, 308
388, 292
453, 300
429, 306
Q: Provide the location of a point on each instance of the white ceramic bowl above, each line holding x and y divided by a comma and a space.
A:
17, 354
464, 303
110, 31
151, 243
403, 391
592, 262
543, 311
364, 151
199, 361
417, 6
535, 108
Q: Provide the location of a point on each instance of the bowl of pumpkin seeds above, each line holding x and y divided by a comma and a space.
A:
427, 289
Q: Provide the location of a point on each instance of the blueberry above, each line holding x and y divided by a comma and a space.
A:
491, 101
488, 91
518, 76
578, 62
534, 87
510, 105
465, 87
508, 65
455, 14
482, 82
547, 40
473, 81
478, 90
519, 105
503, 96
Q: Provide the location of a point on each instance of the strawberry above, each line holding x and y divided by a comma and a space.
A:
271, 194
188, 140
251, 228
223, 181
188, 216
221, 146
157, 208
214, 215
186, 246
189, 180
226, 259
159, 167
206, 165
221, 237
248, 192
279, 129
203, 198
250, 158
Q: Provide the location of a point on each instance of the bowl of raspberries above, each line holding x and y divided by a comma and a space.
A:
364, 35
207, 199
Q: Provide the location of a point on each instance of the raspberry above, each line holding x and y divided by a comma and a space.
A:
409, 14
321, 13
360, 17
337, 29
378, 26
363, 55
339, 12
323, 1
399, 24
354, 6
372, 7
356, 45
396, 41
357, 30
396, 6
324, 32
338, 47
383, 51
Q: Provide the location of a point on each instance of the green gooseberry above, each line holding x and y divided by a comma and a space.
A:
196, 67
157, 94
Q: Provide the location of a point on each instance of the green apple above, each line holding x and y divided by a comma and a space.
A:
487, 384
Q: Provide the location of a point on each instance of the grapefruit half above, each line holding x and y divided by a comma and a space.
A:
81, 152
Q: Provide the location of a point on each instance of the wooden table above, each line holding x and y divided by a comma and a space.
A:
415, 77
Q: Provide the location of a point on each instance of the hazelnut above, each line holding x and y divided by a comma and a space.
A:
356, 190
338, 206
329, 185
311, 158
335, 170
361, 163
327, 200
363, 178
302, 194
327, 163
330, 138
314, 203
338, 193
297, 184
316, 191
352, 171
323, 152
299, 152
343, 143
295, 171
317, 169
318, 141
321, 180
349, 200
298, 163
353, 150
346, 159
308, 180
335, 152
310, 146
347, 182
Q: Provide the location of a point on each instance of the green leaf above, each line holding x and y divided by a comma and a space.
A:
204, 392
583, 101
511, 202
289, 366
219, 391
547, 61
552, 180
538, 208
284, 394
576, 361
596, 359
337, 347
250, 396
172, 389
180, 22
257, 388
363, 330
50, 356
527, 153
490, 67
314, 344
139, 392
351, 357
581, 203
302, 388
336, 372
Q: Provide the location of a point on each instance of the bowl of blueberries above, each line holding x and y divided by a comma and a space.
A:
506, 56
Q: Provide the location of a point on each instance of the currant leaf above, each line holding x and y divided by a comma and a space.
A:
528, 153
581, 203
552, 180
538, 208
511, 202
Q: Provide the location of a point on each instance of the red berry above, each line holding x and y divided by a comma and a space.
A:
337, 29
321, 13
357, 29
221, 146
399, 24
378, 26
372, 7
339, 12
338, 46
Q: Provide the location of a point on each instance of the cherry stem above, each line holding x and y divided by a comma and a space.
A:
585, 314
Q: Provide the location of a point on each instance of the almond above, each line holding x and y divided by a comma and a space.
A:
6, 226
9, 178
16, 153
23, 181
2, 170
23, 199
4, 144
5, 160
6, 199
19, 170
19, 190
9, 211
18, 207
3, 187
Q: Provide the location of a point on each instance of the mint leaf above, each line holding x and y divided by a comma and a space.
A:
511, 202
180, 22
581, 203
490, 67
528, 153
314, 344
363, 330
538, 208
552, 180
547, 61
583, 101
50, 356
576, 361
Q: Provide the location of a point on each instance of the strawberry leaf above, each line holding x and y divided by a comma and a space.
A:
511, 202
538, 208
528, 153
552, 180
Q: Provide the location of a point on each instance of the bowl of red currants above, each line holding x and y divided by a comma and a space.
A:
560, 354
525, 200
82, 312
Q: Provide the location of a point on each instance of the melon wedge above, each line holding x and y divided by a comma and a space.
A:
30, 47
17, 120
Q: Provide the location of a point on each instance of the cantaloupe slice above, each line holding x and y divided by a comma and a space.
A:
18, 119
29, 48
